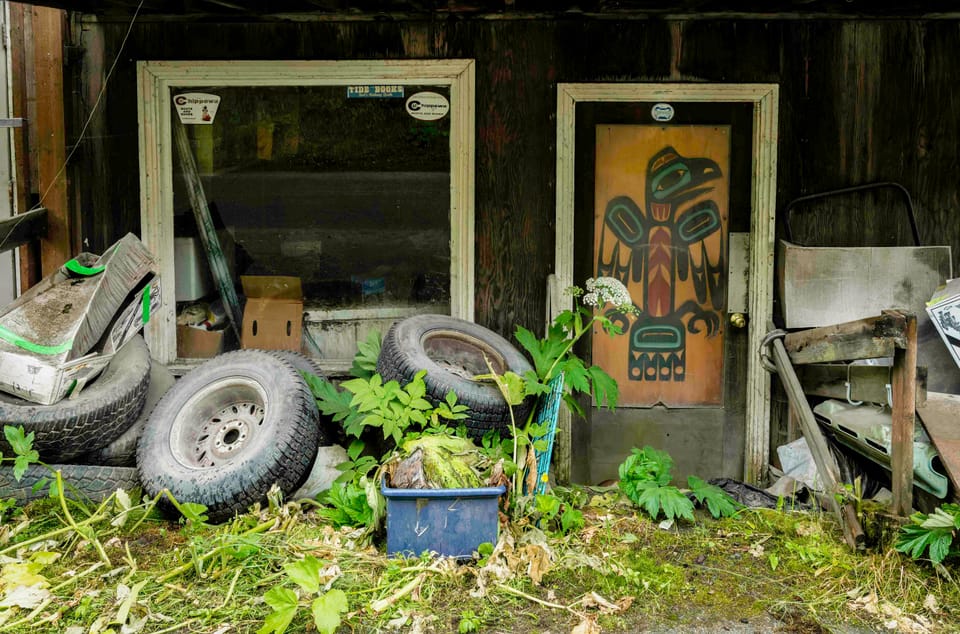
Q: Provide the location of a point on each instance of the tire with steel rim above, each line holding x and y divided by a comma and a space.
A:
227, 431
453, 351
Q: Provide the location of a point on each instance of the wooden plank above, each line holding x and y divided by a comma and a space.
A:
868, 383
871, 338
22, 228
940, 415
21, 50
904, 413
826, 464
55, 248
208, 234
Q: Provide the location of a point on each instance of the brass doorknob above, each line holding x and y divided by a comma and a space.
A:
738, 320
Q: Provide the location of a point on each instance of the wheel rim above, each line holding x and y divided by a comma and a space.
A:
220, 423
462, 354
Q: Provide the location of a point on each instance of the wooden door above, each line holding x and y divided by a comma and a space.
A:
655, 206
661, 201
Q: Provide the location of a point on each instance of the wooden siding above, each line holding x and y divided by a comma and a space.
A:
860, 101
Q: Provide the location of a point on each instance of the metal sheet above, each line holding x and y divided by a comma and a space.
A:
820, 286
941, 418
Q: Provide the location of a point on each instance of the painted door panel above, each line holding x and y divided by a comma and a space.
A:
660, 227
655, 204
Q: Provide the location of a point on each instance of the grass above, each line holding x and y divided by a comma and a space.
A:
622, 572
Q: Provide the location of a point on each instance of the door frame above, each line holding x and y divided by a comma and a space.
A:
154, 80
763, 197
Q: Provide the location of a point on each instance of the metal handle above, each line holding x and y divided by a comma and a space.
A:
911, 214
738, 320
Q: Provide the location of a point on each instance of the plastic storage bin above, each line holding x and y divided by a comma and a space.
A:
449, 522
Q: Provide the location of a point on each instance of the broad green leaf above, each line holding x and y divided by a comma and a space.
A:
718, 501
939, 519
45, 557
23, 574
605, 389
194, 512
571, 519
279, 598
305, 573
21, 444
668, 499
284, 604
327, 609
514, 388
23, 461
365, 361
355, 449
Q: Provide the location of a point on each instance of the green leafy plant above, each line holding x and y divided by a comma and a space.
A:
326, 607
554, 353
469, 622
556, 515
933, 534
645, 479
22, 445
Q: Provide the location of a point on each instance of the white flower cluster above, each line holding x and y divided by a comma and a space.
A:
607, 290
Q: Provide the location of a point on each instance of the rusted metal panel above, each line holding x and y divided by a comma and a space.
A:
940, 416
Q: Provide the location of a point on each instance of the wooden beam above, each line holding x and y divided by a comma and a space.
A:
827, 467
904, 414
22, 229
21, 63
871, 338
55, 248
867, 382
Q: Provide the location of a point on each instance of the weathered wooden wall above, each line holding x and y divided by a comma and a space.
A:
861, 100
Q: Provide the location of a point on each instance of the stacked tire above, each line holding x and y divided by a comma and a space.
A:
70, 434
453, 352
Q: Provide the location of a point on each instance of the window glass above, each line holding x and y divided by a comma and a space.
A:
349, 193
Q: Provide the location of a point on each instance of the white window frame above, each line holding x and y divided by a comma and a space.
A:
763, 200
156, 78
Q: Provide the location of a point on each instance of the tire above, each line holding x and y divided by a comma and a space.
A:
92, 419
452, 352
79, 481
227, 431
330, 431
122, 452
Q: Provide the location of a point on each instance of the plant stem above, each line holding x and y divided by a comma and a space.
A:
577, 333
73, 524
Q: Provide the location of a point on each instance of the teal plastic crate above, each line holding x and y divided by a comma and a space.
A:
449, 522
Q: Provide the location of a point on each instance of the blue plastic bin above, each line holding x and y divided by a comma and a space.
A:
449, 522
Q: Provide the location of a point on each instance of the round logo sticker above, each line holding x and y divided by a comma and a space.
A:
661, 112
428, 106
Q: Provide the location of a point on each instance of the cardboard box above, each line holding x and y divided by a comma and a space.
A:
198, 343
47, 382
944, 311
273, 315
62, 332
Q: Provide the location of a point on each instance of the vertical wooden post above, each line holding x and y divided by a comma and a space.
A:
51, 134
21, 62
904, 418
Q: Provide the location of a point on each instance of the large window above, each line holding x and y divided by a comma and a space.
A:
310, 172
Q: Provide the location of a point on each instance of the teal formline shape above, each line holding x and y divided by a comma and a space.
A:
75, 267
20, 342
